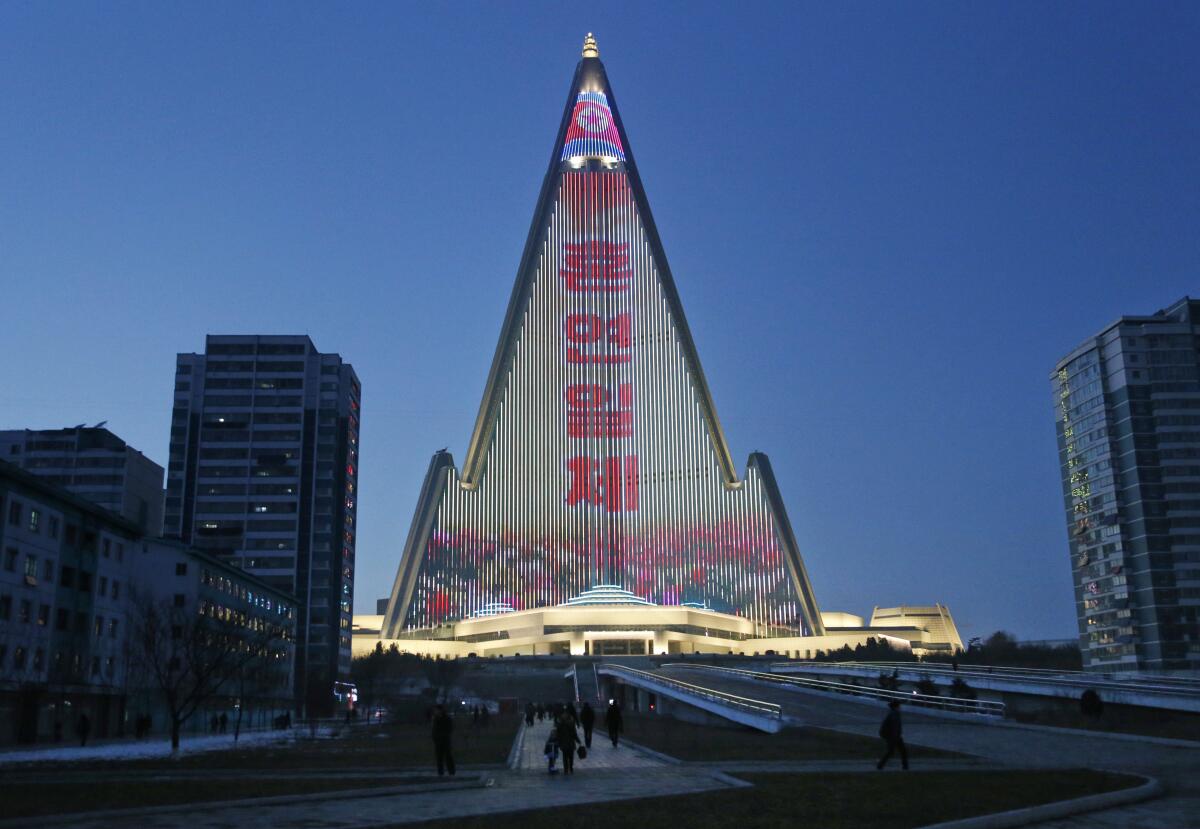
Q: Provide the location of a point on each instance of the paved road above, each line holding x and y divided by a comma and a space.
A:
1177, 767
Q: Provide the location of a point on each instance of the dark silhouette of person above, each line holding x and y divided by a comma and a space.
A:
443, 727
541, 712
530, 713
213, 724
612, 719
224, 721
587, 718
568, 737
891, 731
83, 728
475, 716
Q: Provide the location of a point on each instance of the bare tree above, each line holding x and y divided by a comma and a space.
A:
190, 657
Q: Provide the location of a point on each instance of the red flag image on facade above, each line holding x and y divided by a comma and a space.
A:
609, 482
594, 412
596, 266
594, 339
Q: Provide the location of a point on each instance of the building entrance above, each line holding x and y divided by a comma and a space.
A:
619, 647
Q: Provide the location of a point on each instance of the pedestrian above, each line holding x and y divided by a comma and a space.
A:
891, 731
224, 721
530, 713
541, 712
443, 727
550, 752
568, 738
475, 716
612, 719
587, 718
83, 728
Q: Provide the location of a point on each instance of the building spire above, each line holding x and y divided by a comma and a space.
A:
590, 49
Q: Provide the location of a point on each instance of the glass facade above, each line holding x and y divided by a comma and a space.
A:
598, 457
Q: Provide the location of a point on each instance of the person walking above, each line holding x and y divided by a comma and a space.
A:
224, 721
568, 738
612, 719
891, 730
443, 728
83, 728
587, 718
529, 713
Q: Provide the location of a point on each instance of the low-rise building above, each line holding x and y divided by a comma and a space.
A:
64, 581
73, 576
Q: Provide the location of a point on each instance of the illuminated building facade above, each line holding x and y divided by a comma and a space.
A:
597, 457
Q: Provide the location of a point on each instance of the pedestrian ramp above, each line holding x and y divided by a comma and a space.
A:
755, 713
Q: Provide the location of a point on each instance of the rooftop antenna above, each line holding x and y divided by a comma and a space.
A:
101, 423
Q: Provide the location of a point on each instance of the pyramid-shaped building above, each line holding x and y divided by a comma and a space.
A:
597, 458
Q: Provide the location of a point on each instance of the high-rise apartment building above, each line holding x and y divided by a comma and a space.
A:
95, 464
263, 473
1128, 419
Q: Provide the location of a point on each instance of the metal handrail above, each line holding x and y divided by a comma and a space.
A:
1132, 685
759, 707
969, 706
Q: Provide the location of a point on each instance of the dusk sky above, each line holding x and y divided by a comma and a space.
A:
886, 221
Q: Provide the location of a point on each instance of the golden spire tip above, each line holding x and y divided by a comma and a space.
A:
590, 49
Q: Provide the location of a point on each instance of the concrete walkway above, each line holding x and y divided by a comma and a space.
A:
607, 774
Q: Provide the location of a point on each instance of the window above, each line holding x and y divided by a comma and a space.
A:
43, 615
107, 547
95, 666
30, 569
25, 612
98, 628
48, 570
14, 513
181, 568
35, 520
52, 527
102, 588
5, 608
66, 576
39, 659
180, 600
116, 591
120, 551
85, 581
18, 657
112, 628
62, 619
10, 560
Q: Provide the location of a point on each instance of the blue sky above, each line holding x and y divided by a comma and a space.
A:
886, 221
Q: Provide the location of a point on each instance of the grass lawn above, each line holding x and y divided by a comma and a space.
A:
831, 801
392, 745
688, 741
38, 799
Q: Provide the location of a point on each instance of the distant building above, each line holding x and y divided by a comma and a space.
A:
1127, 406
65, 565
94, 463
930, 630
263, 474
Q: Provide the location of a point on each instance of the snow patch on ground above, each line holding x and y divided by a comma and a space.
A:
143, 749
